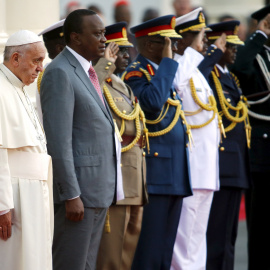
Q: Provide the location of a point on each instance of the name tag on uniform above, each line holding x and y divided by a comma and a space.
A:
118, 99
199, 89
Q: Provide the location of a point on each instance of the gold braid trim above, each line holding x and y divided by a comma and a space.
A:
134, 115
211, 106
240, 109
40, 75
178, 113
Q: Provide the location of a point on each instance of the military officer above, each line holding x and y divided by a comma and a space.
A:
252, 67
233, 153
117, 248
202, 116
151, 76
53, 37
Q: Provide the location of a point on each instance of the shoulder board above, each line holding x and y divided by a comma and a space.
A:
150, 70
133, 74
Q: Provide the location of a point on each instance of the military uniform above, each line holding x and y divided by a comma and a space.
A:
168, 179
251, 60
190, 244
118, 246
233, 157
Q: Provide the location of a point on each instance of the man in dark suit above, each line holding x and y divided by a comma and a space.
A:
252, 68
233, 153
150, 77
80, 135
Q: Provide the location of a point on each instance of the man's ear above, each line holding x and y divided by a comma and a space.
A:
75, 38
14, 59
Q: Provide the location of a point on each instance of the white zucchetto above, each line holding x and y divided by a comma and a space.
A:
22, 37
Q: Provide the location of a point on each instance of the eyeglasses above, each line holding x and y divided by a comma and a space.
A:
174, 43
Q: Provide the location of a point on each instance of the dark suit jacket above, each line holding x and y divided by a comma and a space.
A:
252, 81
168, 169
234, 160
80, 134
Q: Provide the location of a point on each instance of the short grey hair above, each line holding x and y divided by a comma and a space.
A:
10, 50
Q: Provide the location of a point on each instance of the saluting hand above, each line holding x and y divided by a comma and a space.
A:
111, 52
198, 42
74, 209
5, 226
167, 49
264, 25
221, 42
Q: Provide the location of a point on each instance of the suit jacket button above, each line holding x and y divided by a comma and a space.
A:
107, 68
228, 99
222, 148
156, 154
265, 136
109, 63
187, 145
174, 94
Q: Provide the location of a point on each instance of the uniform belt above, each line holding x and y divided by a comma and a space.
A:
129, 139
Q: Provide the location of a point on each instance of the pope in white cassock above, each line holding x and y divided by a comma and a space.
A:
25, 168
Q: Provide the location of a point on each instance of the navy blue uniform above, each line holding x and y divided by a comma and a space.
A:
168, 179
234, 177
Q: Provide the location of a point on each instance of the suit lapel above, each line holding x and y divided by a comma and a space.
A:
87, 82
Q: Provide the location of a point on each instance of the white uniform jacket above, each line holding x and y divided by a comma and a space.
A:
204, 154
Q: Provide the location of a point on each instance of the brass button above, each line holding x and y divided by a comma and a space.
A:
209, 53
124, 111
109, 63
107, 68
143, 154
212, 50
187, 145
121, 165
183, 122
174, 94
156, 154
222, 148
228, 99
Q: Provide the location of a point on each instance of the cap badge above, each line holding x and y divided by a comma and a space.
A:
173, 23
235, 32
201, 18
124, 32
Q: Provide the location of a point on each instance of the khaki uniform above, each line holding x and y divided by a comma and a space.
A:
117, 248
